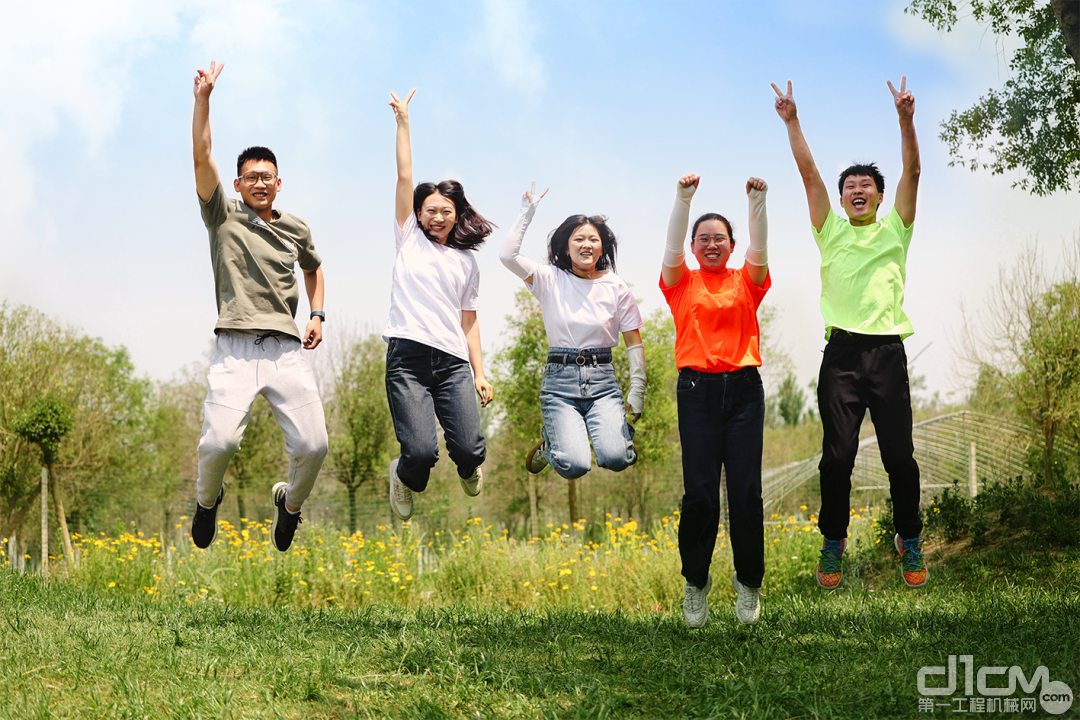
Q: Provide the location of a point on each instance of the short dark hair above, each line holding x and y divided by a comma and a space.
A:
867, 169
471, 229
713, 216
559, 241
255, 152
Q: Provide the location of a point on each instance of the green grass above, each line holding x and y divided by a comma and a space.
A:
76, 650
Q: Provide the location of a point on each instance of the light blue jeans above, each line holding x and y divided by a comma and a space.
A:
583, 403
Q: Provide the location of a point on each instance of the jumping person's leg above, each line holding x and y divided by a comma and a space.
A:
566, 439
889, 399
842, 410
293, 394
744, 426
605, 417
233, 381
454, 398
700, 402
408, 383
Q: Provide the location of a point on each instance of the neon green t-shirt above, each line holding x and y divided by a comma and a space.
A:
863, 270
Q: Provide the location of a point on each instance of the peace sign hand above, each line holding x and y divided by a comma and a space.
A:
785, 104
905, 101
204, 81
401, 107
531, 197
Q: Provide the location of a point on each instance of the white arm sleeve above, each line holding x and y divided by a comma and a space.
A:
510, 254
636, 396
676, 229
758, 252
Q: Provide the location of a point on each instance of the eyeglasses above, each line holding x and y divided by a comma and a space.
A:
253, 177
710, 239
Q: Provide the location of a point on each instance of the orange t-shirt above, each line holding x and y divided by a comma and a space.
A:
716, 327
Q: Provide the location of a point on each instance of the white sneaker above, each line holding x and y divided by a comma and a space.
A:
474, 483
695, 605
400, 495
747, 605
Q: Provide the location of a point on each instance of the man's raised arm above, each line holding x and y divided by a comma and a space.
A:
206, 172
908, 187
817, 195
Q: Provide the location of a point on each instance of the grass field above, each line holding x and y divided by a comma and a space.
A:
79, 648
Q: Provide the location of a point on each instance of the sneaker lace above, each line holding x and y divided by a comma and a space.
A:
401, 492
747, 599
831, 554
912, 557
693, 598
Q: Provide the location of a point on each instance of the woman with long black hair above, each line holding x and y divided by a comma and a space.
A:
433, 360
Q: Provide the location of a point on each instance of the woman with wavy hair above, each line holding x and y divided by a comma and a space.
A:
433, 360
586, 306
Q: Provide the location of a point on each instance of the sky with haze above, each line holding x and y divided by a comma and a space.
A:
606, 103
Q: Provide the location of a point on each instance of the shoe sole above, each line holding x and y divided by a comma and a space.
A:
393, 472
735, 584
277, 513
221, 496
900, 551
531, 459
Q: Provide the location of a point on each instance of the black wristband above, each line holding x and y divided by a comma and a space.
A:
318, 314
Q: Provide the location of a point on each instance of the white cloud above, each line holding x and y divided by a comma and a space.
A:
510, 45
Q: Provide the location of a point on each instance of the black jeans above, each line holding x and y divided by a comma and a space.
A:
721, 421
423, 383
863, 372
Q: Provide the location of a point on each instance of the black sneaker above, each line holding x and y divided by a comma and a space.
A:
285, 522
204, 524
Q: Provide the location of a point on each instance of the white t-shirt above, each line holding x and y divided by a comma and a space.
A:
432, 284
581, 313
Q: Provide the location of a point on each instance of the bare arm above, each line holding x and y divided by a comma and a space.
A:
404, 194
673, 267
908, 187
313, 283
476, 358
817, 195
206, 172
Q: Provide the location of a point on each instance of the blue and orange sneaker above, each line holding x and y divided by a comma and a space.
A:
912, 566
829, 569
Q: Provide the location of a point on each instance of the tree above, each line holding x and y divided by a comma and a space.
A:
98, 458
362, 431
1033, 123
1029, 344
45, 423
516, 374
792, 400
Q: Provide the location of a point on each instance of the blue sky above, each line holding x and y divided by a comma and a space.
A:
608, 103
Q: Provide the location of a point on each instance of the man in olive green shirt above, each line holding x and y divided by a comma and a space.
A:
253, 249
863, 271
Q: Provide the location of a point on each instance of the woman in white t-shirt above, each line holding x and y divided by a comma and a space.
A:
433, 361
585, 307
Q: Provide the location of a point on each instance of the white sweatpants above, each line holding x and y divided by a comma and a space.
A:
240, 370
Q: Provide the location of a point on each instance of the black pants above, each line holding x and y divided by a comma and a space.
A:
721, 421
860, 372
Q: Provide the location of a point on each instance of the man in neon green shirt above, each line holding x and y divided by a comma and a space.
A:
863, 270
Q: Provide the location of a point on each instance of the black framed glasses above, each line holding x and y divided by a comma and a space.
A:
253, 177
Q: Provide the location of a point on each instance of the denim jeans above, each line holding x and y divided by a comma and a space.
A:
721, 422
858, 373
582, 403
422, 384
